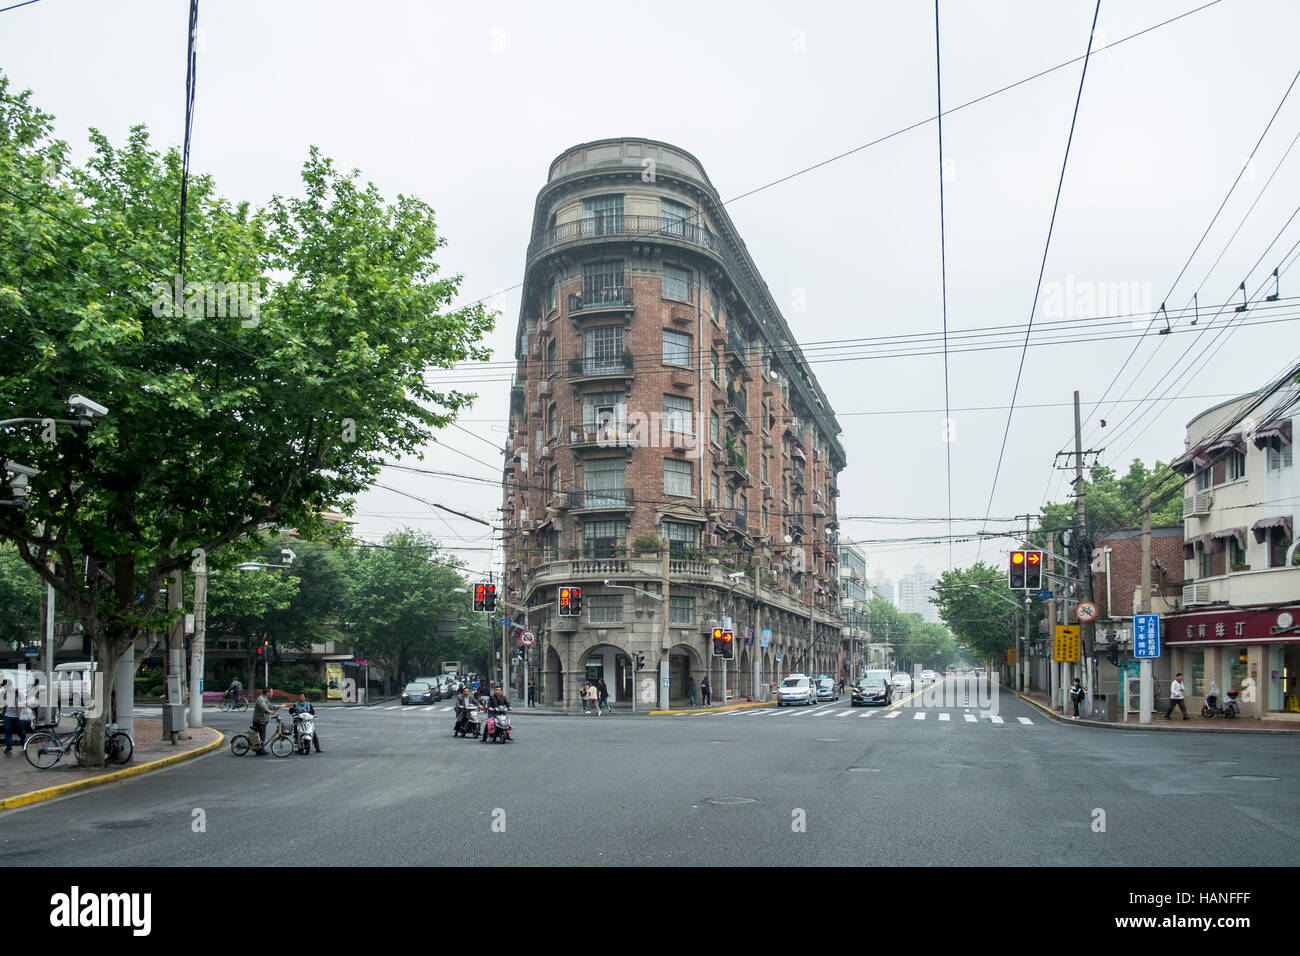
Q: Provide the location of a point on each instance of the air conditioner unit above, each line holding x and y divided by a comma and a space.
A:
545, 452
1196, 594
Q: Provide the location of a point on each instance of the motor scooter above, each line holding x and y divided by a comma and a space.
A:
469, 722
498, 725
304, 731
1228, 710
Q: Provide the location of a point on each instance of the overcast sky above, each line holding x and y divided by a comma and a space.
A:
466, 105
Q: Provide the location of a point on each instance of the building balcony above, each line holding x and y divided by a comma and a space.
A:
597, 437
598, 228
1241, 588
735, 472
597, 370
796, 481
587, 502
615, 298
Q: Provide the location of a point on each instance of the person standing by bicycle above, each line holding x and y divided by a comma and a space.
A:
11, 707
262, 712
235, 691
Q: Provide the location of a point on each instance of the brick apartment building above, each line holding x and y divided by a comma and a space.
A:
671, 453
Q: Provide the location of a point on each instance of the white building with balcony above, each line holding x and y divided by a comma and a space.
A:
1239, 624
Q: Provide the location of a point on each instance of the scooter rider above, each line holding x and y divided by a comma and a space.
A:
464, 705
303, 706
496, 701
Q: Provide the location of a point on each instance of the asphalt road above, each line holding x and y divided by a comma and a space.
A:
829, 784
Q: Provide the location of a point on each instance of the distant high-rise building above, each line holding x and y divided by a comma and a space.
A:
884, 588
914, 594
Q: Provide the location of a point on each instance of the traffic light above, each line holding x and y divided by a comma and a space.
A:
480, 597
1112, 654
723, 644
490, 598
570, 602
259, 652
640, 660
1034, 570
1016, 572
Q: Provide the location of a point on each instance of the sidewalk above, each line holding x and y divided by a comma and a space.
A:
1279, 724
22, 784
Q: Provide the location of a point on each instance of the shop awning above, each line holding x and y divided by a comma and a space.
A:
1190, 460
1262, 527
797, 452
1208, 544
1232, 441
1274, 430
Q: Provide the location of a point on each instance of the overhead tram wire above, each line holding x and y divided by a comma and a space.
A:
1043, 264
1246, 165
919, 123
943, 272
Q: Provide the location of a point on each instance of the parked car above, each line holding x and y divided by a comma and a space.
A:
902, 682
796, 689
827, 689
417, 692
872, 690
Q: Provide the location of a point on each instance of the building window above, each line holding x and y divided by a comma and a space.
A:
605, 609
677, 477
673, 216
605, 214
713, 427
713, 364
1278, 545
1204, 478
603, 539
551, 296
551, 349
713, 486
553, 480
1236, 465
1236, 553
1279, 458
602, 350
677, 414
681, 610
602, 282
677, 348
604, 483
1204, 562
676, 284
714, 306
551, 546
552, 421
680, 536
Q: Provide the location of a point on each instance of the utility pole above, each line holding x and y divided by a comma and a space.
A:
1024, 658
1145, 702
756, 648
1085, 576
663, 633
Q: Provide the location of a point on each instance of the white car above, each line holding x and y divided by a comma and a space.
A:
796, 689
902, 682
928, 677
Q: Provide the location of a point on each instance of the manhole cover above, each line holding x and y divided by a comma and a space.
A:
864, 770
728, 801
1248, 776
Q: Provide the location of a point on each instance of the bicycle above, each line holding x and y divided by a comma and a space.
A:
230, 703
45, 749
279, 743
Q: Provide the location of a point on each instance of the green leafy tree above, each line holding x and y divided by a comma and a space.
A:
239, 605
218, 423
399, 595
20, 600
980, 610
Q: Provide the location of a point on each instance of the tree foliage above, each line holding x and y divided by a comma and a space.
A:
981, 611
218, 423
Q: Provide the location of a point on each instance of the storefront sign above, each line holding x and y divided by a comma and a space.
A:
1265, 626
1067, 648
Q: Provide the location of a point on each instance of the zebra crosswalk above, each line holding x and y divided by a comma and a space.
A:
946, 717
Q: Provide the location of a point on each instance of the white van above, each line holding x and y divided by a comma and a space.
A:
74, 685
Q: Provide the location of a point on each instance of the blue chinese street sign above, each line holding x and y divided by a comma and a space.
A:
1146, 635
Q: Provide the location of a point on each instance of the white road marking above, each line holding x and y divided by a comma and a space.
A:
996, 719
944, 716
1024, 720
893, 713
868, 713
844, 713
919, 715
970, 718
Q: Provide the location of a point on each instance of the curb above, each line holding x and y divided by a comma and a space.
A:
49, 793
1153, 727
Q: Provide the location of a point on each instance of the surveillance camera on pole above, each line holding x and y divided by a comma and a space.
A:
25, 470
86, 408
287, 555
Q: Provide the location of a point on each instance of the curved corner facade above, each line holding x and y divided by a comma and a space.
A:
671, 455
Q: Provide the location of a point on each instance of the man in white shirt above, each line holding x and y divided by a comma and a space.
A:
1176, 698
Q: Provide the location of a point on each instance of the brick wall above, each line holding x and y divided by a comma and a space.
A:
1126, 569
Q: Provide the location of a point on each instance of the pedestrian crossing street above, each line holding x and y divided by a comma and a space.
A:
840, 713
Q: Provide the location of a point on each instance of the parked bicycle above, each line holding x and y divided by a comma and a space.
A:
279, 743
46, 748
230, 702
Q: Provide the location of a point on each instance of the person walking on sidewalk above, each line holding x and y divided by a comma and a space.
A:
706, 695
592, 701
690, 690
1076, 696
603, 691
1176, 698
11, 707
